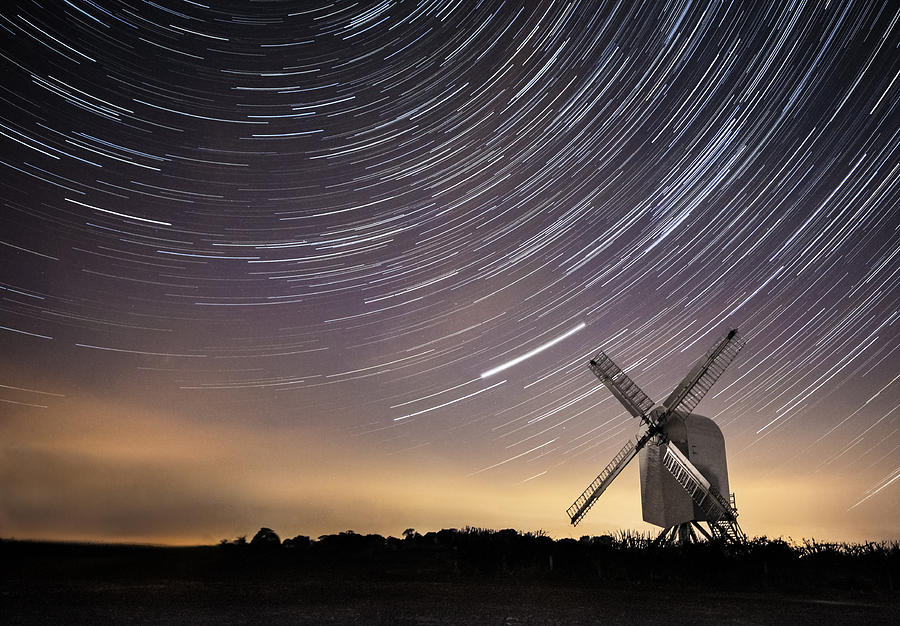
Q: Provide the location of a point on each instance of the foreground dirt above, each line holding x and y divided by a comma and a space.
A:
83, 584
359, 602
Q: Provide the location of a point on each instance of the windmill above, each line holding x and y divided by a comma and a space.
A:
684, 478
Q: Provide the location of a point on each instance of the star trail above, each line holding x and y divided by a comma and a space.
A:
264, 262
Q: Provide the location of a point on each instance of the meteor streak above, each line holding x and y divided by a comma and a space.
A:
528, 355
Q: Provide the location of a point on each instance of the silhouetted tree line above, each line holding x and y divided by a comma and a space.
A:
626, 558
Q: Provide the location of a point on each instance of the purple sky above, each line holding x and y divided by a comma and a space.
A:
255, 257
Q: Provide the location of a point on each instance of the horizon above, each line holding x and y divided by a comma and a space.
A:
245, 538
326, 266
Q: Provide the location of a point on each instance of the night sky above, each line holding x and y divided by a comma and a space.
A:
258, 260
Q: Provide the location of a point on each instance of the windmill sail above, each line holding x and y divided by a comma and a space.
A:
586, 500
705, 373
622, 387
704, 495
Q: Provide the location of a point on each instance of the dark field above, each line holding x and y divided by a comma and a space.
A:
418, 581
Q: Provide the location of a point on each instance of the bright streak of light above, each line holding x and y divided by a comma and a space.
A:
440, 406
24, 332
896, 476
125, 215
513, 458
528, 355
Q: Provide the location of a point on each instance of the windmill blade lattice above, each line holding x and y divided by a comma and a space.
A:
704, 374
695, 484
622, 387
586, 500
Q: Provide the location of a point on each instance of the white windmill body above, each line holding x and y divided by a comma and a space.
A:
663, 500
684, 475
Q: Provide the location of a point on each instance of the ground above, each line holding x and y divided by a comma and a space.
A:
41, 584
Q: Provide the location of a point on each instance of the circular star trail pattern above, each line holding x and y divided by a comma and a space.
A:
340, 215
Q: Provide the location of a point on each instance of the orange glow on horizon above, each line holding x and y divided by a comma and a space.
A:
113, 472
